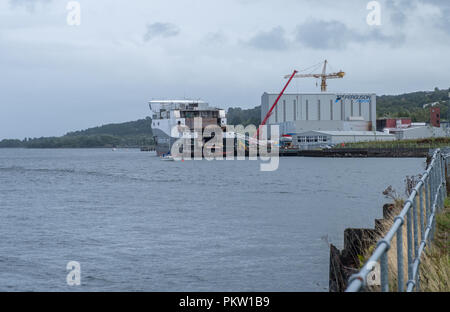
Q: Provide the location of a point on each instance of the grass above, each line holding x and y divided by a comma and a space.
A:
416, 143
435, 267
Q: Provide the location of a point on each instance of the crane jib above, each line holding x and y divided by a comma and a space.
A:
275, 104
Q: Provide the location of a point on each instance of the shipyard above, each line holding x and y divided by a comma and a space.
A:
225, 155
308, 124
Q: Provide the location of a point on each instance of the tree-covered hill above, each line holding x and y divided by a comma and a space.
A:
128, 134
139, 133
239, 116
130, 128
411, 104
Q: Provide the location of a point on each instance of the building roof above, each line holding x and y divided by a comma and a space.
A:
177, 101
411, 128
320, 93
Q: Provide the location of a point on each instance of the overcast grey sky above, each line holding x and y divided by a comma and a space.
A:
56, 78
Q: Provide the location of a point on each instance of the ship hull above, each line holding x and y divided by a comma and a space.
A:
164, 143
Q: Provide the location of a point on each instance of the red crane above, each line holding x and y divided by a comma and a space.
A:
275, 104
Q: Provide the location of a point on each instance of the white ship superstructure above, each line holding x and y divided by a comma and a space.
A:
172, 119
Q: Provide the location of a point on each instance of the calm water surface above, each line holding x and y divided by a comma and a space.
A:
135, 222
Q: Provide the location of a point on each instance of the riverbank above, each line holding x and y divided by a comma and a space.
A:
360, 244
429, 143
359, 152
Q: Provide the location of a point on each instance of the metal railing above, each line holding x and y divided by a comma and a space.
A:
426, 199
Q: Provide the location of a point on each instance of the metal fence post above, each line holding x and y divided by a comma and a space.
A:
443, 190
444, 185
418, 281
427, 199
442, 181
409, 241
434, 204
415, 227
400, 272
384, 272
444, 174
422, 221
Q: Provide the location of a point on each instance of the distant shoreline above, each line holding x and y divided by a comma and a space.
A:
48, 148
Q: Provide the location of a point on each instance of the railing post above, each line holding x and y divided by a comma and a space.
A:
384, 272
422, 221
415, 227
418, 280
445, 176
443, 192
427, 197
444, 183
409, 241
434, 203
441, 182
400, 272
415, 230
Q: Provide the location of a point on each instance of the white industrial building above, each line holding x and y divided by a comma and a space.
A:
317, 138
338, 117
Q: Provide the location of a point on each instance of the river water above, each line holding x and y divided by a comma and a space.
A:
136, 223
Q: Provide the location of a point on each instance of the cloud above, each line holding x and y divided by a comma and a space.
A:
439, 3
400, 10
325, 35
163, 30
398, 14
444, 6
215, 37
243, 39
273, 39
30, 5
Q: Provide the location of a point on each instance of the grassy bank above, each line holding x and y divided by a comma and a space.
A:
435, 267
417, 143
435, 262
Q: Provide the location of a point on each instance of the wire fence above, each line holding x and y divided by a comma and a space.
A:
419, 213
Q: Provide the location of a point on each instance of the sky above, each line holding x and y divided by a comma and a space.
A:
56, 77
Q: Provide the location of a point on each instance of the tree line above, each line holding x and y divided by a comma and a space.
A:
128, 134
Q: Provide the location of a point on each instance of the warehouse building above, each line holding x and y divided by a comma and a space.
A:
405, 129
419, 132
315, 139
338, 117
322, 111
